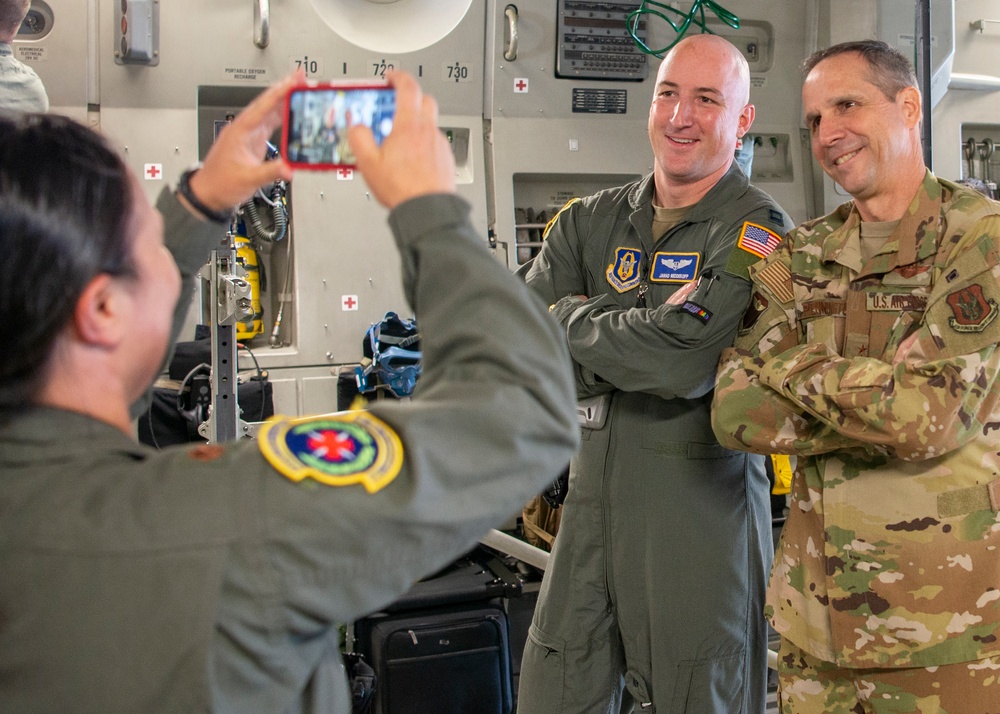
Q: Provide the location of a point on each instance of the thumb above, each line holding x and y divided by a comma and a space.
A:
363, 145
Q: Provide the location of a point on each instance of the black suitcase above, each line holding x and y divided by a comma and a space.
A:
444, 647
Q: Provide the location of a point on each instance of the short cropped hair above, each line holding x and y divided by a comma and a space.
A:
888, 68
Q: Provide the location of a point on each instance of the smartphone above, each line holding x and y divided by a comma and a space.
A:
317, 117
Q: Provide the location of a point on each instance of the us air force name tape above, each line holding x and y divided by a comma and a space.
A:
340, 449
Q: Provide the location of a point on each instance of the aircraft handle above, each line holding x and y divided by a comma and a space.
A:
510, 54
261, 23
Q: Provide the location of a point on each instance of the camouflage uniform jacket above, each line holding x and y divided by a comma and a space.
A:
890, 554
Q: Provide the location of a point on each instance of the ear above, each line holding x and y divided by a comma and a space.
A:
98, 317
746, 120
909, 103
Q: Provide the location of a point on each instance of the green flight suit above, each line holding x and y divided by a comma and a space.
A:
200, 579
657, 577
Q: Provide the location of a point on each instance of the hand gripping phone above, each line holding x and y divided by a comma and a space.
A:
317, 117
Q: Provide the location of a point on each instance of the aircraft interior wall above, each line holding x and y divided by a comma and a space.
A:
537, 107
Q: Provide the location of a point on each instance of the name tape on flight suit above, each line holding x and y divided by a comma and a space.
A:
674, 267
336, 450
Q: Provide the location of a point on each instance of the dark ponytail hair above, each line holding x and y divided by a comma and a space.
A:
65, 204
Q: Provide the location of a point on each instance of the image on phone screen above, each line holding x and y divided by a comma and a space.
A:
318, 118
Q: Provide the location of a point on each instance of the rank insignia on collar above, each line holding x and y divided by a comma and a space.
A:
336, 450
971, 310
757, 239
623, 273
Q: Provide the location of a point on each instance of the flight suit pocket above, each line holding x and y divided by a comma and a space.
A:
543, 673
710, 686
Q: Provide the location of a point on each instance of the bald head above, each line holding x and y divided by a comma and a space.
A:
731, 66
701, 108
12, 12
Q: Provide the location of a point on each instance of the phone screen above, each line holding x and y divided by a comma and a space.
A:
317, 118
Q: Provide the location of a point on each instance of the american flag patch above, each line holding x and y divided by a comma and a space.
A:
757, 240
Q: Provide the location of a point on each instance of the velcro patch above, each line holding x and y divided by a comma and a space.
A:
674, 267
758, 304
777, 278
757, 239
336, 450
895, 302
822, 308
971, 310
623, 273
697, 311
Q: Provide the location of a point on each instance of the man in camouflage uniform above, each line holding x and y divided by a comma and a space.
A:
870, 351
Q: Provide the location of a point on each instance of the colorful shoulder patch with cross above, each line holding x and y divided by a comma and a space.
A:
757, 239
340, 449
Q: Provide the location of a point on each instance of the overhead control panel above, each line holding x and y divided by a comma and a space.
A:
593, 41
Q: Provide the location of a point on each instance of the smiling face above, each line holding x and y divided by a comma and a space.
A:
700, 108
866, 142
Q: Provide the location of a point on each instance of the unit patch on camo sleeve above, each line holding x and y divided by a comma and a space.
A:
336, 450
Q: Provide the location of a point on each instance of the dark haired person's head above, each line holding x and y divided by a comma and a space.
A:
888, 68
863, 110
70, 216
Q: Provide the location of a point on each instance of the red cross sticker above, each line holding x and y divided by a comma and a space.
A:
520, 86
349, 302
153, 172
345, 174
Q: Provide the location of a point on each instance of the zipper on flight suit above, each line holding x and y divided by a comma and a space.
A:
640, 296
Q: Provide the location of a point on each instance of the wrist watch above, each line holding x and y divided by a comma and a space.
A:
184, 189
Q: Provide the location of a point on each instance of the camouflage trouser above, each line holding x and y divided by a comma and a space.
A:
807, 685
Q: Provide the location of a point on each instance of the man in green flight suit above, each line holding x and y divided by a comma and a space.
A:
871, 351
654, 591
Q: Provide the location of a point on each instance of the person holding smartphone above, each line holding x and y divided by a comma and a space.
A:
213, 577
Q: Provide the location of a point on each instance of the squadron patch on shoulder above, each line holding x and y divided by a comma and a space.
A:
971, 311
674, 267
757, 239
336, 450
623, 273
